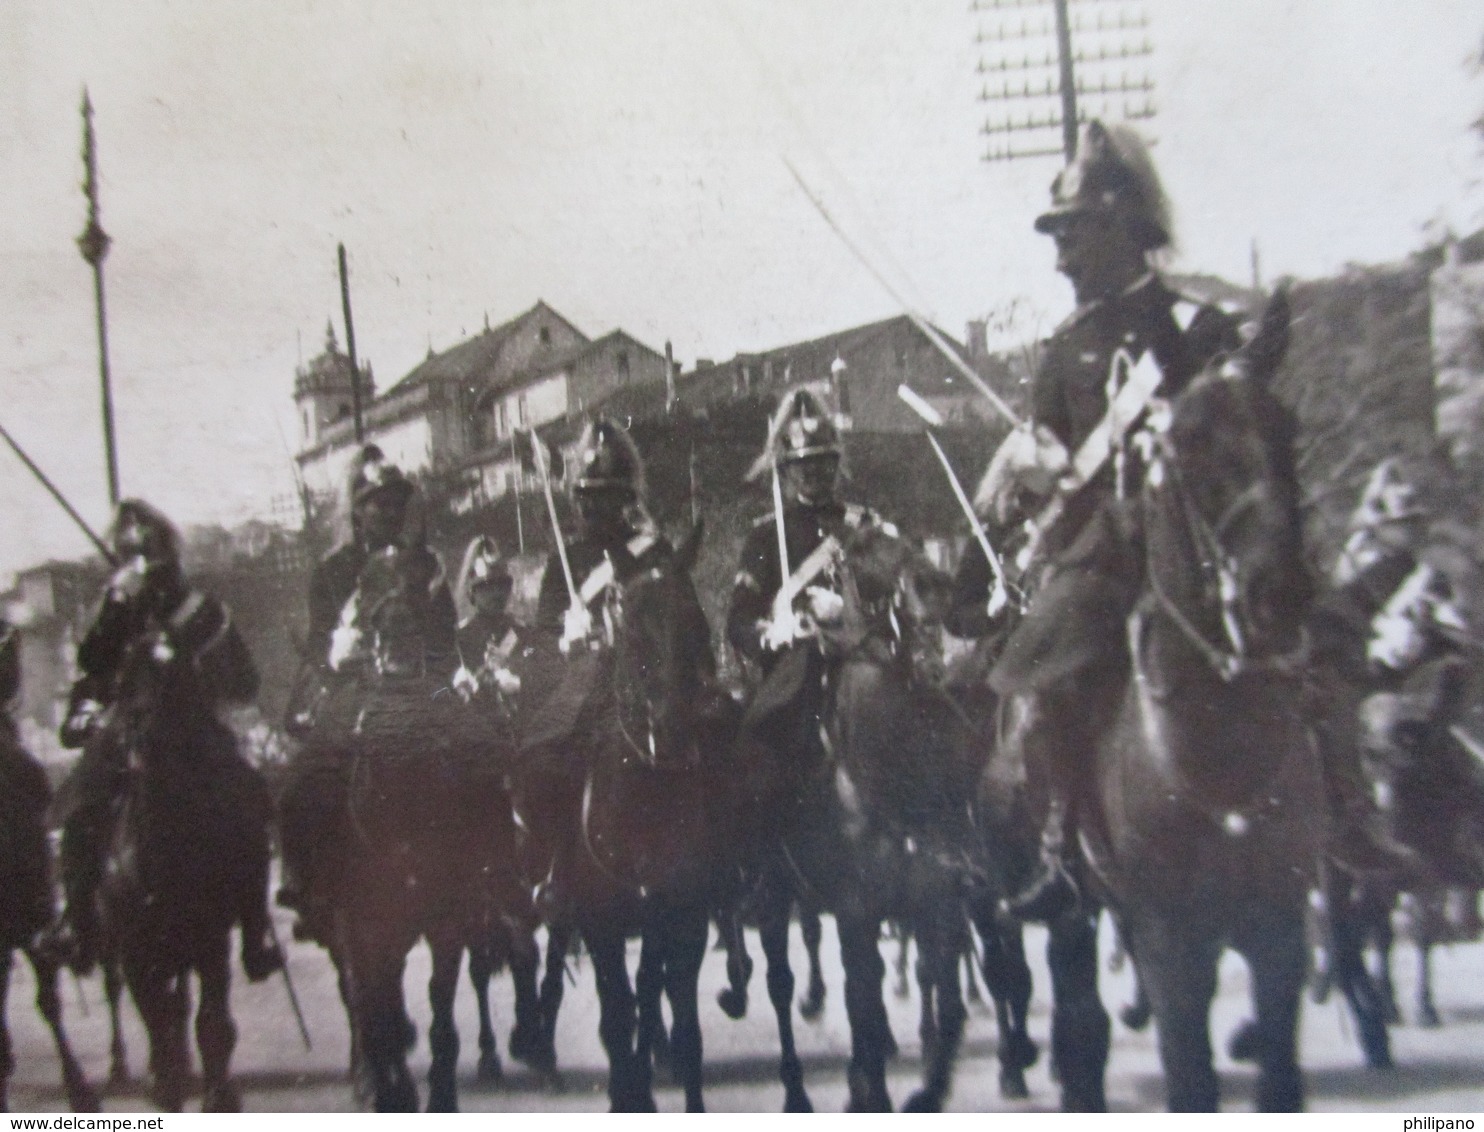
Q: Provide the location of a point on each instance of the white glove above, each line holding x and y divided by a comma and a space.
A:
783, 630
508, 682
345, 645
465, 684
826, 605
128, 581
577, 626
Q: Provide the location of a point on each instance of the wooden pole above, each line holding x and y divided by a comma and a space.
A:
1068, 81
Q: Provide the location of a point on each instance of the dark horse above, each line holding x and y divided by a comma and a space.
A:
863, 815
1206, 786
171, 890
26, 908
653, 821
423, 794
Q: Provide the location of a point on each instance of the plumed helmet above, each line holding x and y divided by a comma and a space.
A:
483, 563
140, 529
607, 458
371, 472
1112, 174
802, 427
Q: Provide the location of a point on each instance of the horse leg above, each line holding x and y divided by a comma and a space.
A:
811, 1006
118, 1055
1427, 1012
373, 970
860, 953
1007, 977
481, 970
159, 997
527, 1043
653, 1043
773, 914
733, 997
216, 1035
1179, 973
7, 1055
628, 1081
1080, 1028
927, 1015
1349, 974
970, 957
940, 946
1277, 961
80, 1095
443, 1033
553, 985
1383, 937
687, 930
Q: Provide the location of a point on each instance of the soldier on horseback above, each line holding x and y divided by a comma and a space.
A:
26, 867
311, 807
489, 641
616, 539
1067, 657
798, 546
151, 615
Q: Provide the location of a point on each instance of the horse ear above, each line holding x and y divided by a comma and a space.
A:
1264, 354
685, 557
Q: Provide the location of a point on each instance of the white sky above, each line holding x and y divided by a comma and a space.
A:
621, 161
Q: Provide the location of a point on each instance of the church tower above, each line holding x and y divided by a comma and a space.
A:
323, 393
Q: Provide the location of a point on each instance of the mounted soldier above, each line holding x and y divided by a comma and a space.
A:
490, 643
1130, 342
337, 654
153, 622
797, 546
615, 540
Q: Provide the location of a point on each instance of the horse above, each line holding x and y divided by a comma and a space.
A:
172, 882
865, 819
26, 908
1201, 834
654, 820
423, 842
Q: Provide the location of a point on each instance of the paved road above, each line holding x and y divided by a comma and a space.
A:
1439, 1070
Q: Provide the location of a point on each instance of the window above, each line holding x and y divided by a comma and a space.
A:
520, 411
623, 363
545, 335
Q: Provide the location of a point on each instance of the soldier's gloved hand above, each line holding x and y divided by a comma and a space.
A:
129, 579
577, 626
345, 646
781, 631
464, 684
826, 605
508, 682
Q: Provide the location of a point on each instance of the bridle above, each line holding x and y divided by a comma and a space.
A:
1230, 657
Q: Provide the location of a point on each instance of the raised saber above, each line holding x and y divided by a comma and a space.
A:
59, 497
995, 400
778, 525
934, 419
556, 525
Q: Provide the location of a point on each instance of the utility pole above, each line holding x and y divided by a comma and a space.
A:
1052, 64
93, 243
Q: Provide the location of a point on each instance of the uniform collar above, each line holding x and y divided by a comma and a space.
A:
1141, 290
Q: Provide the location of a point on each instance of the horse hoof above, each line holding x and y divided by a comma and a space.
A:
1243, 1044
1021, 1052
1378, 1054
1135, 1016
443, 1101
489, 1071
796, 1100
223, 1098
733, 1003
1012, 1085
1390, 1014
119, 1080
811, 1006
923, 1101
85, 1099
1428, 1019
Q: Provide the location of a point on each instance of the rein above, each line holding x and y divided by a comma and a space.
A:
1227, 663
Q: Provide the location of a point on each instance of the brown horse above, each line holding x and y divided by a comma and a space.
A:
1207, 785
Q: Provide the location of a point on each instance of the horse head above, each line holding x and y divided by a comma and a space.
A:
662, 657
1222, 525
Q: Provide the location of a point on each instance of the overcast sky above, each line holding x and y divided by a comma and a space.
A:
623, 161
